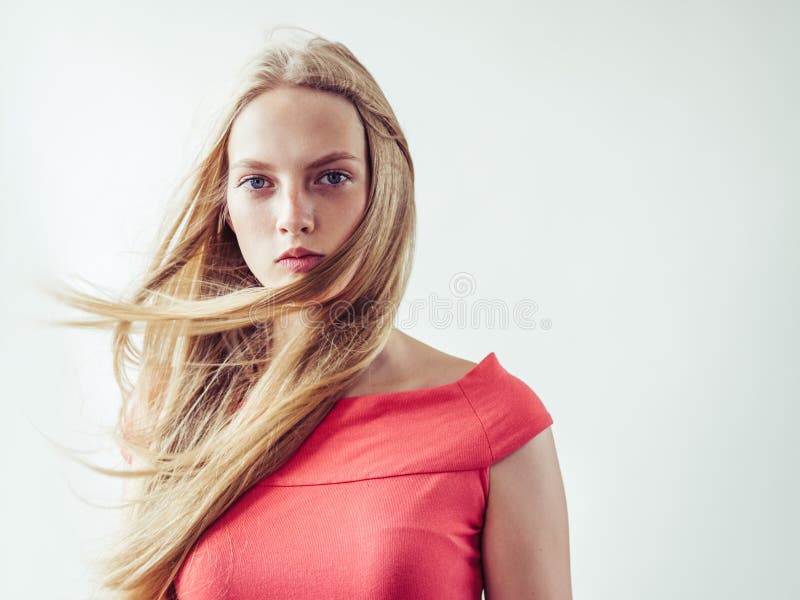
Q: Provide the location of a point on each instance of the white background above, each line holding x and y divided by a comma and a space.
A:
631, 167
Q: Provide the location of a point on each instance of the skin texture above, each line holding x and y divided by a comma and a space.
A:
292, 204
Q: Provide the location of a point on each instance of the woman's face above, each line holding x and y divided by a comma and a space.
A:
297, 177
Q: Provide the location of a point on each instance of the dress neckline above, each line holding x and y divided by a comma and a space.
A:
436, 388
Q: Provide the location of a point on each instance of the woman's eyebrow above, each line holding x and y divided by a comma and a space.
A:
252, 163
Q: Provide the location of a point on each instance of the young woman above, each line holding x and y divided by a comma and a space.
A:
284, 439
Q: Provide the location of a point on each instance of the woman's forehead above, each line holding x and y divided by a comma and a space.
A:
298, 125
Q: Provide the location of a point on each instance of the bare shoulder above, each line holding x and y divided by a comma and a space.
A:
409, 364
427, 366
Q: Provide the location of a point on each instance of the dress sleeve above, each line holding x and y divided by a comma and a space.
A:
510, 412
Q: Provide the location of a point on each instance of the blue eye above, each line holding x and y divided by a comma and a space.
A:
338, 174
254, 179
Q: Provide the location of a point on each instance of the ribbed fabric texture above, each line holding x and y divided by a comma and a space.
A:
385, 499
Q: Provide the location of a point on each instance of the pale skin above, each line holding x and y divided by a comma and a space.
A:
525, 539
280, 194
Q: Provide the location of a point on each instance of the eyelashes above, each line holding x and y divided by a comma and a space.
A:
253, 179
345, 176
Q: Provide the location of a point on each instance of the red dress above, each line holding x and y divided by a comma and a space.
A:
385, 499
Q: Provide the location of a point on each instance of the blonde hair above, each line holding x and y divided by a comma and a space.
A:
215, 407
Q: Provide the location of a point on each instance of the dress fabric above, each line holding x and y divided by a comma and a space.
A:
384, 500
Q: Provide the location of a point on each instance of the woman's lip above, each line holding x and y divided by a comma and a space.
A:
300, 264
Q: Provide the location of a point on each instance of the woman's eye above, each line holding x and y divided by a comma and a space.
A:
337, 175
257, 182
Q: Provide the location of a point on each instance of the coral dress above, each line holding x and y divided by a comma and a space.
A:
385, 500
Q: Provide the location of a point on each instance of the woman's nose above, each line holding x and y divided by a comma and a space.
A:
295, 213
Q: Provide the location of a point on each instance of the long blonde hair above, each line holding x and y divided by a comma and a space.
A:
214, 407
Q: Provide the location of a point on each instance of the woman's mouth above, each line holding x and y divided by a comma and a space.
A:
300, 264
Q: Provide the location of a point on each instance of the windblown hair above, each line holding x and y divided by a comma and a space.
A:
215, 407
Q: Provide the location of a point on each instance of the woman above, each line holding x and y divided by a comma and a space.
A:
284, 439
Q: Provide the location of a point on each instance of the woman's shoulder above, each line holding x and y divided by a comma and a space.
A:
510, 412
425, 366
409, 364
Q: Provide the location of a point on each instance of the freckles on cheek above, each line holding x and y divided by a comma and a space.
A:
349, 210
253, 232
248, 219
